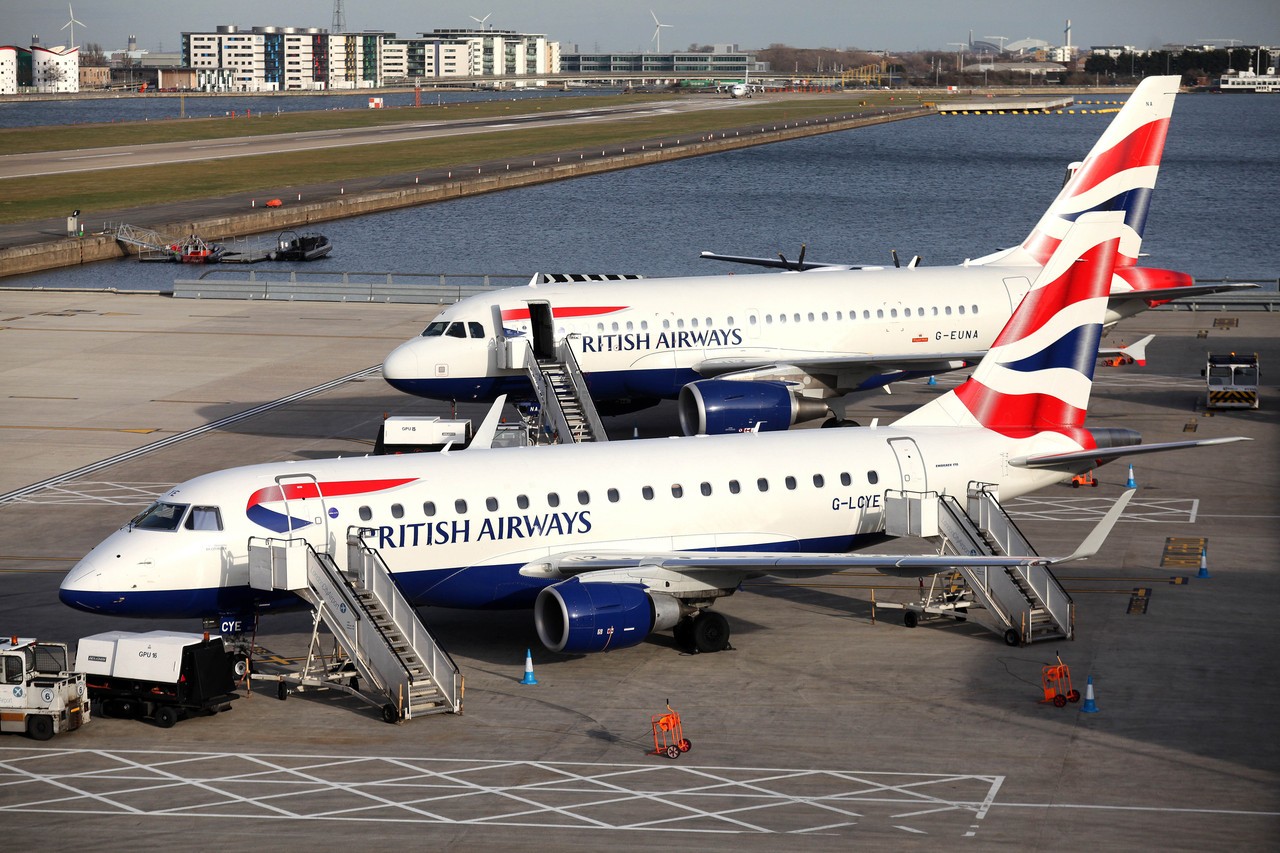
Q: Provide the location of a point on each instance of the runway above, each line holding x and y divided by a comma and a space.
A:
828, 722
45, 163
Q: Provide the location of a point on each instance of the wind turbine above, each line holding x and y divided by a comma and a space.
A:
657, 32
72, 23
481, 21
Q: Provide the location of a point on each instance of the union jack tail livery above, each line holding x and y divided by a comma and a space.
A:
1037, 375
1118, 175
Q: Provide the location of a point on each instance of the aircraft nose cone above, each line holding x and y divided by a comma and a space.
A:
402, 363
403, 368
82, 587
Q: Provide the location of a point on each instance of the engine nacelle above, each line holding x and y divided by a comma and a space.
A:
577, 617
715, 406
1115, 437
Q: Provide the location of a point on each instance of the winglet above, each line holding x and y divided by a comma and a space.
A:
488, 431
1093, 542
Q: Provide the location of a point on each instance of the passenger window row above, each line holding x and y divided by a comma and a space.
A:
648, 493
812, 317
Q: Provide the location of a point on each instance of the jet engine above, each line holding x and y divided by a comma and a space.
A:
1115, 437
715, 406
577, 617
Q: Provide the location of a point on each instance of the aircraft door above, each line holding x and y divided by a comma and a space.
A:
1016, 287
543, 326
910, 464
305, 507
508, 350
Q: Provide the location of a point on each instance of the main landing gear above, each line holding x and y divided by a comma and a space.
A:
707, 631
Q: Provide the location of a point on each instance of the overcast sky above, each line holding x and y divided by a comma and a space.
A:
626, 25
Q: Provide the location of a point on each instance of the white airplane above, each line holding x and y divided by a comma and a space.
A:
610, 542
739, 351
743, 89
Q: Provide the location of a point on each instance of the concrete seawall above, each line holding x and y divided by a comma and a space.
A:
70, 251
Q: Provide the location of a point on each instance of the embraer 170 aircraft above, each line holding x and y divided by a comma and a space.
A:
761, 351
610, 542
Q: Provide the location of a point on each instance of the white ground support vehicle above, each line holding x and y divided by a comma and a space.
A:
39, 695
165, 675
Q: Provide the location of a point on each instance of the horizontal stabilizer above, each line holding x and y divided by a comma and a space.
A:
1165, 294
1072, 461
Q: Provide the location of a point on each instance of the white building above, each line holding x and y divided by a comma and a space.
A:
292, 58
9, 69
55, 69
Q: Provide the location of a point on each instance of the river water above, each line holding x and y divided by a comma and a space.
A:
946, 188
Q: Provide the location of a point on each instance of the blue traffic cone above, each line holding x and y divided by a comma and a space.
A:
528, 668
1204, 564
1090, 706
1131, 483
933, 380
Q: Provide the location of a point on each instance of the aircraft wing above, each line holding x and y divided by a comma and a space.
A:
680, 571
1072, 461
777, 263
730, 366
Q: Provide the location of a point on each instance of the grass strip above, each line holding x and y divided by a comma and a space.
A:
24, 199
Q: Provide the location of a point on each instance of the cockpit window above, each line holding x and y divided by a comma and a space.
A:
456, 330
477, 329
204, 518
435, 330
160, 516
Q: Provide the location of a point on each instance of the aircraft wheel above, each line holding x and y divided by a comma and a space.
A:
239, 666
711, 632
1012, 637
39, 727
910, 618
166, 716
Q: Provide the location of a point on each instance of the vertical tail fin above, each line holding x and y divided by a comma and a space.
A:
1118, 175
1038, 374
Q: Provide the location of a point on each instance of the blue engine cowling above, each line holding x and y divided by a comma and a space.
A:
577, 617
715, 406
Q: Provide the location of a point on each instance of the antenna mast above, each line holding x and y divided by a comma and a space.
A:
339, 24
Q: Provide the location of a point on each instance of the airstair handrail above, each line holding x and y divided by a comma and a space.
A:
376, 577
564, 351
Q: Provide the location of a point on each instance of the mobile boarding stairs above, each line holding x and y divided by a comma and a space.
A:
1023, 604
565, 412
388, 658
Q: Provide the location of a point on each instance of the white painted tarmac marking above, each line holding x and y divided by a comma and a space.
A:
1081, 508
673, 798
97, 156
83, 493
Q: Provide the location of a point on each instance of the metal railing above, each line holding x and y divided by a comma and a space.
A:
375, 576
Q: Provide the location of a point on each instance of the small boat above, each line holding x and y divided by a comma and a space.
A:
291, 246
194, 250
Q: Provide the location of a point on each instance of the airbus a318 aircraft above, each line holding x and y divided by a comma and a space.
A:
767, 351
610, 542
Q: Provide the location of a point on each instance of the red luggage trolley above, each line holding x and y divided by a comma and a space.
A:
1056, 680
668, 735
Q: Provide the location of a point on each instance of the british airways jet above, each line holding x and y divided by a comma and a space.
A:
768, 352
611, 542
